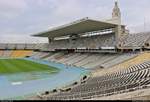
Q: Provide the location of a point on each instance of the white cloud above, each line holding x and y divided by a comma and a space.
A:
78, 9
10, 9
21, 38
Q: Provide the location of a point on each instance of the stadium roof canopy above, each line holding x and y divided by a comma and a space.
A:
77, 27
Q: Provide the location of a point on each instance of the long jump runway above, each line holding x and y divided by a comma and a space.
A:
14, 90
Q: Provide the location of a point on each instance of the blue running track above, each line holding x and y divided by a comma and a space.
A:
66, 76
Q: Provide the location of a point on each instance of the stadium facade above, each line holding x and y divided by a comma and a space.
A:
85, 29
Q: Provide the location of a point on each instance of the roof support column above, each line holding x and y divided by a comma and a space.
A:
50, 40
118, 34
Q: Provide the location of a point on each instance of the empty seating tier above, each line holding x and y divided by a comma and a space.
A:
89, 60
20, 53
145, 56
129, 79
136, 40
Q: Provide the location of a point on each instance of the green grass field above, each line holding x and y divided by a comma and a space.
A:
13, 66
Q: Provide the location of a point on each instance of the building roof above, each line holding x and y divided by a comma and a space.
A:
77, 27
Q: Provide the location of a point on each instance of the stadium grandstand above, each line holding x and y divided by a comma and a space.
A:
116, 64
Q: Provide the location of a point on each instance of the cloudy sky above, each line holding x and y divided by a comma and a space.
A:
21, 18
